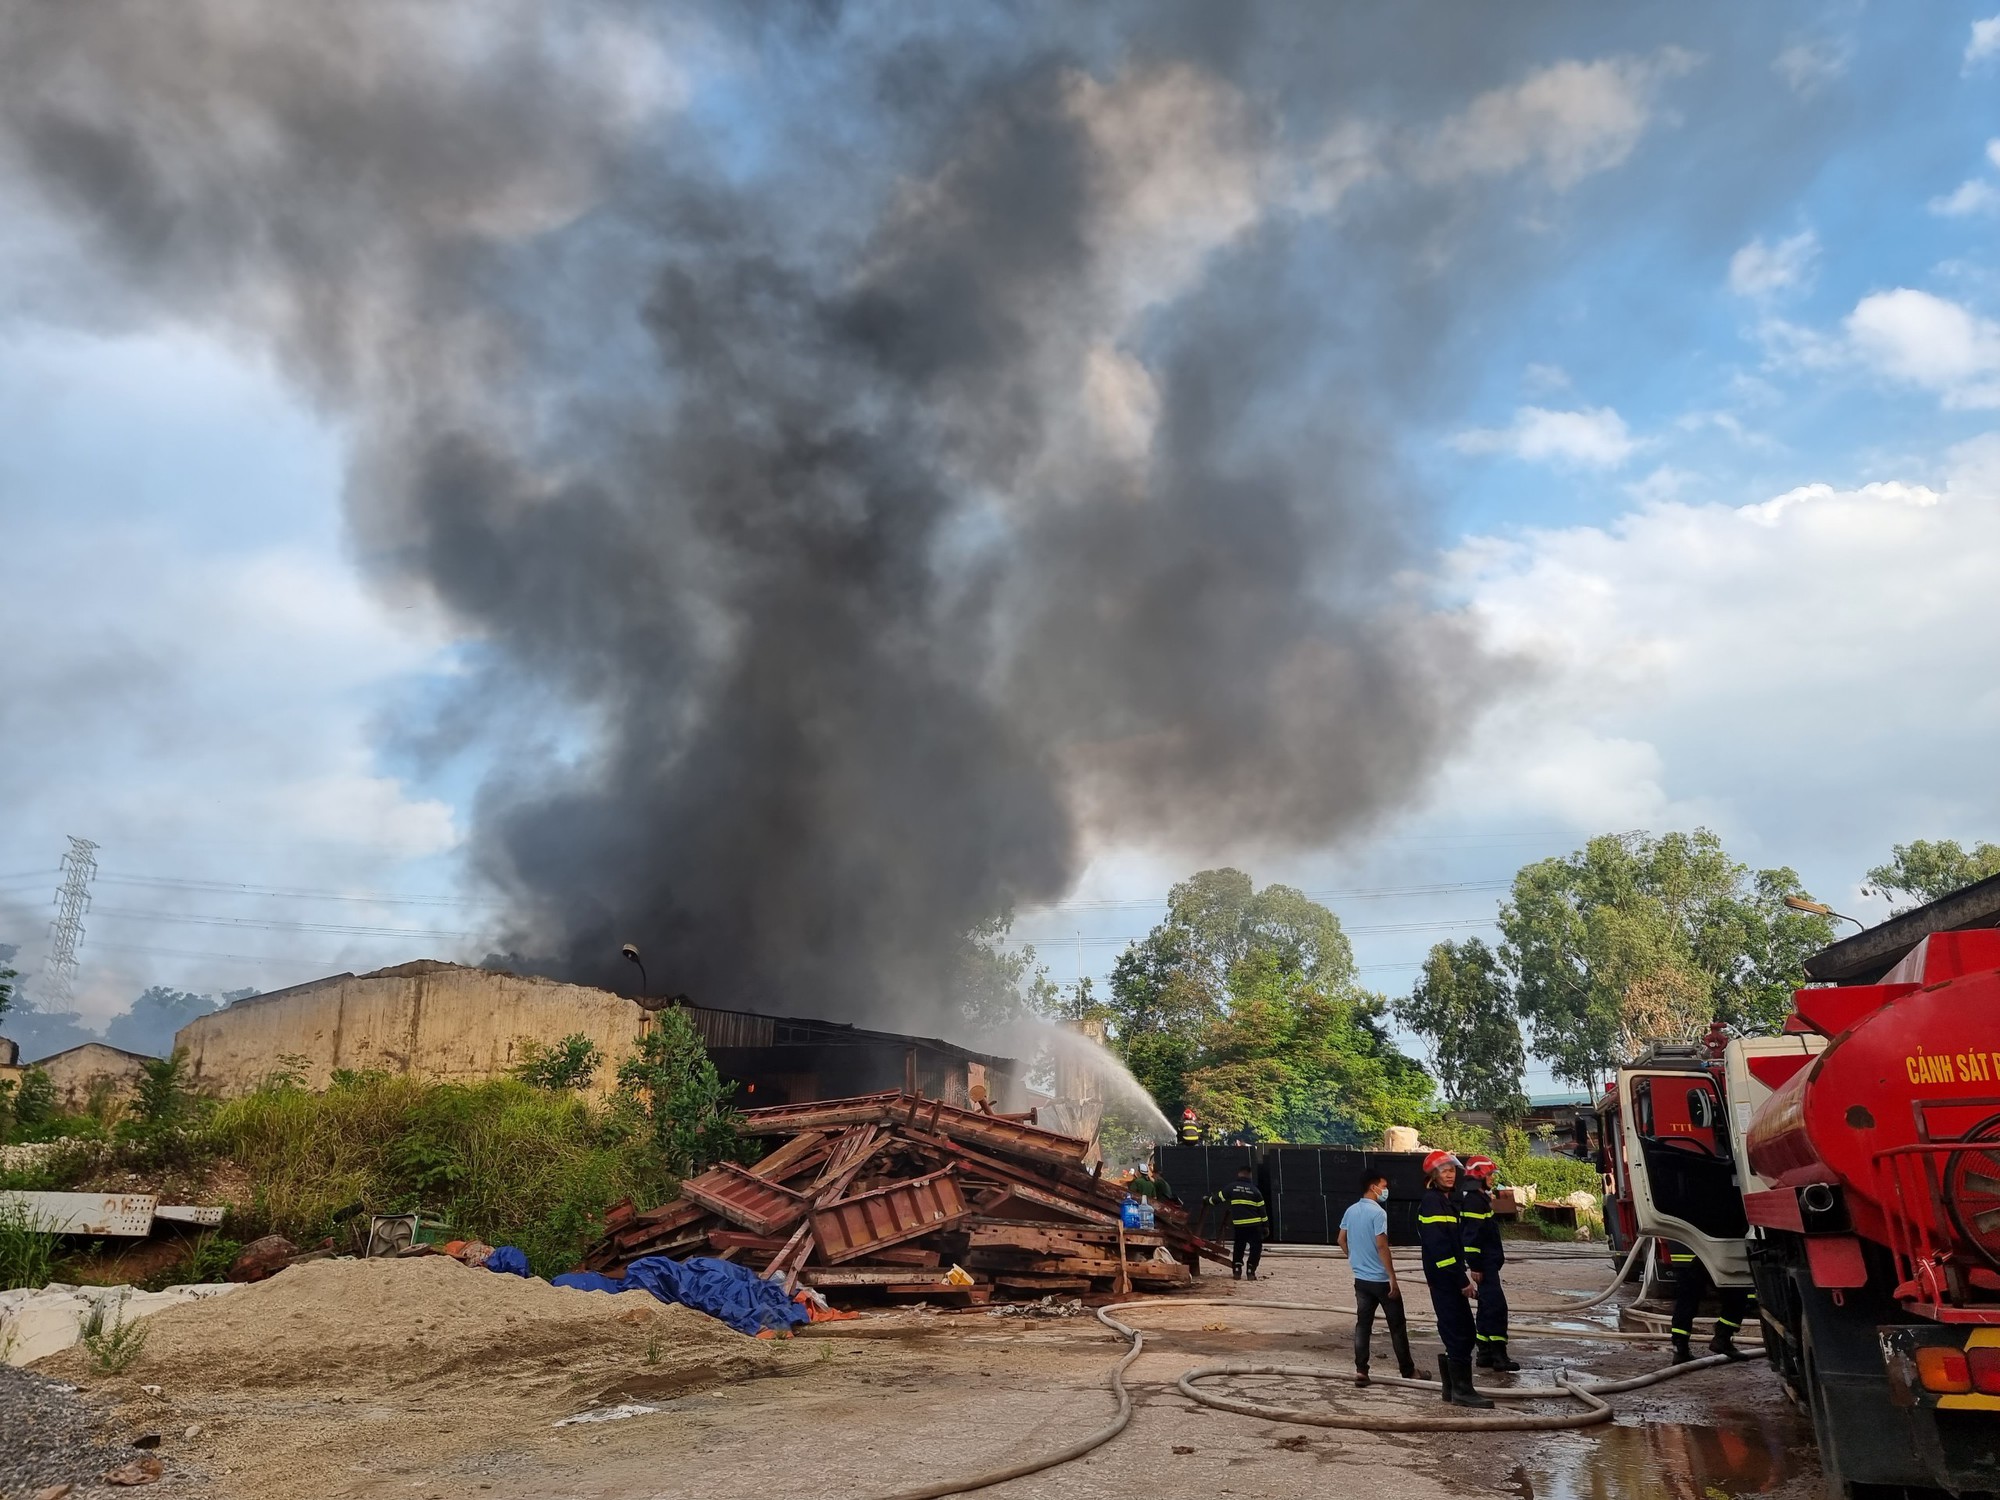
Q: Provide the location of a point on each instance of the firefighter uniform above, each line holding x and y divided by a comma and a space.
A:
1440, 1234
1248, 1221
1691, 1283
1190, 1131
1479, 1231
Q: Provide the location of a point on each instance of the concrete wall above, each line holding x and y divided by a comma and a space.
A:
430, 1019
82, 1071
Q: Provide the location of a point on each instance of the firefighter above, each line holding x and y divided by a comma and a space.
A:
1438, 1231
1248, 1219
1480, 1232
1691, 1283
1191, 1131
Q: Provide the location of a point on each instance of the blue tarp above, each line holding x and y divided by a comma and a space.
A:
508, 1260
735, 1294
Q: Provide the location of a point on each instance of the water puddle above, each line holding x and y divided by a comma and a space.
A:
1672, 1461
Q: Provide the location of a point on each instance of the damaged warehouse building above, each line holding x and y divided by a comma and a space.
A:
450, 1022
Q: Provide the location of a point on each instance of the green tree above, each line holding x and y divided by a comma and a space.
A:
997, 988
7, 978
164, 1098
1243, 1003
1927, 869
568, 1064
1635, 938
1295, 1058
1463, 1007
676, 1088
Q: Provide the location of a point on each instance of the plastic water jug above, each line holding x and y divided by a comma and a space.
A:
1129, 1212
1146, 1215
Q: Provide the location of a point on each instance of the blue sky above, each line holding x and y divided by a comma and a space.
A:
1719, 477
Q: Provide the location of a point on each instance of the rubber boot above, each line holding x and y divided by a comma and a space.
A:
1682, 1353
1500, 1360
1725, 1343
1462, 1393
1446, 1388
1484, 1358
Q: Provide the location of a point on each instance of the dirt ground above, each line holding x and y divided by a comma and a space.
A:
430, 1406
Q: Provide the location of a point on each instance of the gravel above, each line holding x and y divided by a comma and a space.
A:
53, 1436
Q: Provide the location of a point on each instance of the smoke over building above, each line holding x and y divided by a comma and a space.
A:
873, 456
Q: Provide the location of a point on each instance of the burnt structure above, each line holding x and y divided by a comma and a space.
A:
776, 1060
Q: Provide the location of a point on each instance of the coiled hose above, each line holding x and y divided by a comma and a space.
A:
1589, 1393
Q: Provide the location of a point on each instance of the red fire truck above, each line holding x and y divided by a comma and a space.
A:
1850, 1170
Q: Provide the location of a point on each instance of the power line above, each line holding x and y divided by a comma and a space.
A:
1133, 937
1343, 895
232, 888
324, 965
283, 926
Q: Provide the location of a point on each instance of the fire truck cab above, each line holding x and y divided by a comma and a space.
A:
1674, 1164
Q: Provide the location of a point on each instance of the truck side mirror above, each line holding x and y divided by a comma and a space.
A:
1701, 1109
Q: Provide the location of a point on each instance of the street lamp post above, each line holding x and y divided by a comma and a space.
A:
1818, 909
631, 951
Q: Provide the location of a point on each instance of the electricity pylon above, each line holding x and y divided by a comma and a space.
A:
66, 931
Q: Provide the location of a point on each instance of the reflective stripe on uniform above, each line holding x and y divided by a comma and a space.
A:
1683, 1333
1680, 1259
1437, 1218
1449, 1260
1728, 1323
1466, 1213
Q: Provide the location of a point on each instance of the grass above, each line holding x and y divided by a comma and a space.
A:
27, 1251
111, 1349
499, 1161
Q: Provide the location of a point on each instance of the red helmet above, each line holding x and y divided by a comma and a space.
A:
1479, 1166
1188, 1113
1438, 1159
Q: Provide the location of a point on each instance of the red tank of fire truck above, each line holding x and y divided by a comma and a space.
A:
1850, 1170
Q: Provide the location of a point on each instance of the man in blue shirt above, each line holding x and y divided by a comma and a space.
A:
1364, 1235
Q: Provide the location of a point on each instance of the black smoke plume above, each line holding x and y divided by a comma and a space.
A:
875, 453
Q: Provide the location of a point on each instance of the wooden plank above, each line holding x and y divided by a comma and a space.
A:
1124, 1282
1043, 1241
1089, 1233
904, 1255
791, 1156
825, 1276
743, 1239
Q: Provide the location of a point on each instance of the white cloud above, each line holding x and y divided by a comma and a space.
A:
1809, 66
1973, 196
1594, 438
193, 672
1985, 41
1567, 121
1930, 342
1759, 270
1809, 674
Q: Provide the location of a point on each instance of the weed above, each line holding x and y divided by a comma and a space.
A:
27, 1248
500, 1161
569, 1064
209, 1257
653, 1348
111, 1349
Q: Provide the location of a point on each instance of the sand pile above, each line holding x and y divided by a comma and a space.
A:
361, 1326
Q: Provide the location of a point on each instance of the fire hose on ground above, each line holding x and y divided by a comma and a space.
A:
1589, 1393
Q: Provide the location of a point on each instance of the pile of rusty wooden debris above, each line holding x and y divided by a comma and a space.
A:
894, 1194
